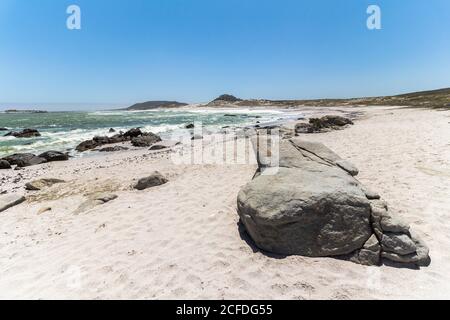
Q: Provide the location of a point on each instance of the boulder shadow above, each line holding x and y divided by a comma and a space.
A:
246, 237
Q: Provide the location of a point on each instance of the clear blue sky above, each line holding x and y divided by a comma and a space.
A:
194, 50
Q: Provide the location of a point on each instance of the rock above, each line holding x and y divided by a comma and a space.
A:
370, 254
10, 200
86, 145
372, 244
24, 159
370, 194
321, 124
307, 212
377, 212
153, 180
347, 166
100, 141
112, 130
145, 140
304, 200
44, 209
420, 257
113, 149
304, 128
336, 121
166, 144
3, 129
26, 133
391, 224
133, 133
95, 200
51, 156
190, 126
4, 164
40, 184
397, 243
105, 197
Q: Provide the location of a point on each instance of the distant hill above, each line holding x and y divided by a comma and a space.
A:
149, 105
427, 99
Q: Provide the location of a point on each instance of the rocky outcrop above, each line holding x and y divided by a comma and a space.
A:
10, 200
4, 164
51, 156
153, 180
24, 159
325, 123
40, 184
26, 133
3, 129
136, 136
145, 140
309, 203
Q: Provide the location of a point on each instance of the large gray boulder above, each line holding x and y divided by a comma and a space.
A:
308, 213
305, 200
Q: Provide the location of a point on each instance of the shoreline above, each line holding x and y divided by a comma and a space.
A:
181, 240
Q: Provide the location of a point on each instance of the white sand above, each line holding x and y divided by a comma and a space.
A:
181, 240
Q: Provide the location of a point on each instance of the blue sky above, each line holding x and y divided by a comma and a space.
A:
194, 50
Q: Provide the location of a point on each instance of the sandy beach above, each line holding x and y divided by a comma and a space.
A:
182, 240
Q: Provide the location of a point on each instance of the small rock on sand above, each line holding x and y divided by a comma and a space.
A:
40, 184
10, 200
42, 210
95, 200
153, 180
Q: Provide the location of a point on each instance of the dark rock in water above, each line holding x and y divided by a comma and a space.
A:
155, 179
145, 140
112, 130
133, 133
113, 149
86, 145
230, 115
190, 126
51, 156
3, 129
24, 159
100, 140
26, 133
4, 164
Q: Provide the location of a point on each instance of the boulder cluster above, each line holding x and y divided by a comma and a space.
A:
325, 123
308, 202
26, 133
136, 136
29, 159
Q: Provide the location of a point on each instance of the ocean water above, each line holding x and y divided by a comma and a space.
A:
63, 131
